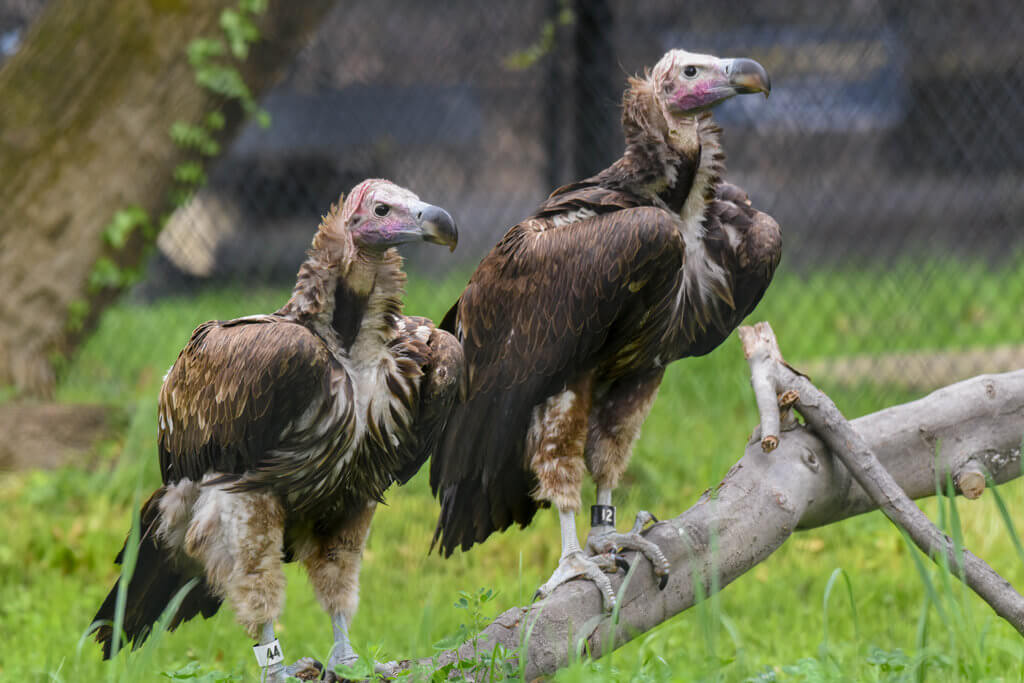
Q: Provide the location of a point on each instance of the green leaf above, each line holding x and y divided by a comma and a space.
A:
214, 121
105, 273
180, 196
122, 224
530, 55
190, 670
202, 50
78, 310
253, 6
189, 136
190, 173
240, 32
226, 81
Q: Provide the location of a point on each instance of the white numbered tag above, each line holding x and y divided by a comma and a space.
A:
268, 654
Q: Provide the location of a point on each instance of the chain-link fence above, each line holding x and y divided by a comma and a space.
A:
890, 149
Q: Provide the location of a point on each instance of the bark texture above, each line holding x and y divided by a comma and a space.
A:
87, 106
765, 497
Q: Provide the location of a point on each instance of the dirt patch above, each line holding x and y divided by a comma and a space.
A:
50, 434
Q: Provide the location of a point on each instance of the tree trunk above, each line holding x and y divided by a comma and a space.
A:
88, 103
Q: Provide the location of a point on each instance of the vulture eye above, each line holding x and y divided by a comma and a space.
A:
382, 209
690, 71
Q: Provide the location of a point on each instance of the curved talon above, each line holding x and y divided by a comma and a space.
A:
610, 542
305, 669
578, 566
622, 564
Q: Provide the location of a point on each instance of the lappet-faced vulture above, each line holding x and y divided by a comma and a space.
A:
278, 434
568, 323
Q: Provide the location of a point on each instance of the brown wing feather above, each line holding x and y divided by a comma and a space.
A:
542, 306
441, 367
233, 391
748, 245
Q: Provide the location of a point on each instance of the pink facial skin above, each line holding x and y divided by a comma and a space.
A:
700, 94
382, 233
388, 231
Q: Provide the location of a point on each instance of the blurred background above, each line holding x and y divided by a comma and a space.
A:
890, 152
890, 148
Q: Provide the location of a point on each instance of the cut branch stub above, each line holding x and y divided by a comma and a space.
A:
970, 479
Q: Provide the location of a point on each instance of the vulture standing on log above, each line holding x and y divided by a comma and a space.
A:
278, 434
568, 323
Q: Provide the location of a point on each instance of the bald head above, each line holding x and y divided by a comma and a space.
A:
684, 84
378, 214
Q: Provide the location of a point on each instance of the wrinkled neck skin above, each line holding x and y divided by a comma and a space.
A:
678, 159
350, 297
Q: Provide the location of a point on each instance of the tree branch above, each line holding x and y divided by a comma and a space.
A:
851, 448
766, 496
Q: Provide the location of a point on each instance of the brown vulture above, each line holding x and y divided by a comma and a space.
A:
568, 323
278, 434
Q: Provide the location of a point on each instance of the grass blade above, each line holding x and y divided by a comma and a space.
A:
955, 526
131, 556
922, 572
921, 661
1007, 520
836, 573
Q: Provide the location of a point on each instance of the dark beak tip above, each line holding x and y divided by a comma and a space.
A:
453, 233
749, 77
440, 227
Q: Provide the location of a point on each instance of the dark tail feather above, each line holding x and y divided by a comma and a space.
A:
478, 472
153, 585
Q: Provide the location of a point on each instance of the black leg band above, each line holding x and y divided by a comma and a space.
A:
602, 515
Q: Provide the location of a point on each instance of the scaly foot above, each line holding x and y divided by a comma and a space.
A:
576, 565
604, 541
342, 654
305, 669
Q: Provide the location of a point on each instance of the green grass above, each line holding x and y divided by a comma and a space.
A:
63, 527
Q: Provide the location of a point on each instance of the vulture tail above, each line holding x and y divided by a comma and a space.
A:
153, 586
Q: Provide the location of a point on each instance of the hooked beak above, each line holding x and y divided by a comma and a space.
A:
437, 226
747, 77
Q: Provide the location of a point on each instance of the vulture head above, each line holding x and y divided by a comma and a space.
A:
378, 215
683, 85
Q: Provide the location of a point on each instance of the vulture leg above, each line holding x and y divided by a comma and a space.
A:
557, 435
268, 650
613, 429
575, 564
238, 539
332, 562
